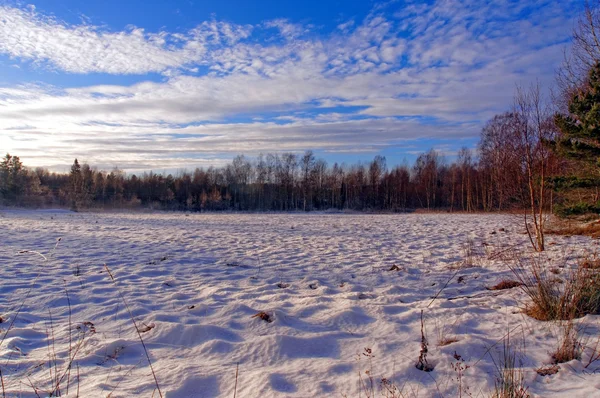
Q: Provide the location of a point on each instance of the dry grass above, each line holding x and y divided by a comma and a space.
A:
472, 254
594, 350
591, 261
264, 316
571, 227
367, 381
137, 329
552, 298
569, 346
547, 370
505, 284
447, 341
444, 333
509, 376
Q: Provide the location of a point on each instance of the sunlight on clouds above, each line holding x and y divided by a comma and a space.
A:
85, 48
365, 85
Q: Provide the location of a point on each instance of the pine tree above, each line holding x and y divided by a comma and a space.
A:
580, 141
75, 185
16, 178
5, 176
581, 128
12, 178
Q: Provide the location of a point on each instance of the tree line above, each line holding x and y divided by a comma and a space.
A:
542, 154
518, 164
286, 182
514, 167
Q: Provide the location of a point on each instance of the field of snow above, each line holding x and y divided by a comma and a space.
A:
332, 285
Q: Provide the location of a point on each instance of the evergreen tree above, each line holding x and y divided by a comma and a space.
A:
16, 179
580, 141
12, 179
75, 185
87, 184
5, 176
581, 128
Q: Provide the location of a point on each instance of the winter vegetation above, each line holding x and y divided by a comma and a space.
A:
285, 182
285, 275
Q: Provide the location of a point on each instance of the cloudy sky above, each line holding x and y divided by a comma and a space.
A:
166, 85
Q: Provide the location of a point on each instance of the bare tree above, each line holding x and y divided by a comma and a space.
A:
307, 164
465, 162
377, 169
501, 151
533, 124
583, 54
426, 171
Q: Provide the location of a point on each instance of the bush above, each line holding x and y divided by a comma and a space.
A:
577, 209
552, 298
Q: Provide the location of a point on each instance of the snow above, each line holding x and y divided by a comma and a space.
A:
194, 282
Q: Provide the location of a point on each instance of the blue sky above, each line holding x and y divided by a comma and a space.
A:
166, 85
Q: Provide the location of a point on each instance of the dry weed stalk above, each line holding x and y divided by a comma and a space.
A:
471, 255
595, 354
57, 376
444, 333
237, 368
510, 381
18, 312
137, 330
2, 382
390, 390
369, 389
569, 344
460, 367
366, 384
422, 363
85, 332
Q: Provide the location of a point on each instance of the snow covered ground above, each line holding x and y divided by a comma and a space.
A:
194, 283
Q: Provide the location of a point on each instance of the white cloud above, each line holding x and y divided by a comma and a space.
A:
364, 86
288, 30
168, 147
86, 48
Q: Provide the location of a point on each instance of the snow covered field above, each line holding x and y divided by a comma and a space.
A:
326, 281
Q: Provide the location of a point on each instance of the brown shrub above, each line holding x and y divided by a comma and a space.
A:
505, 284
556, 299
575, 228
569, 346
